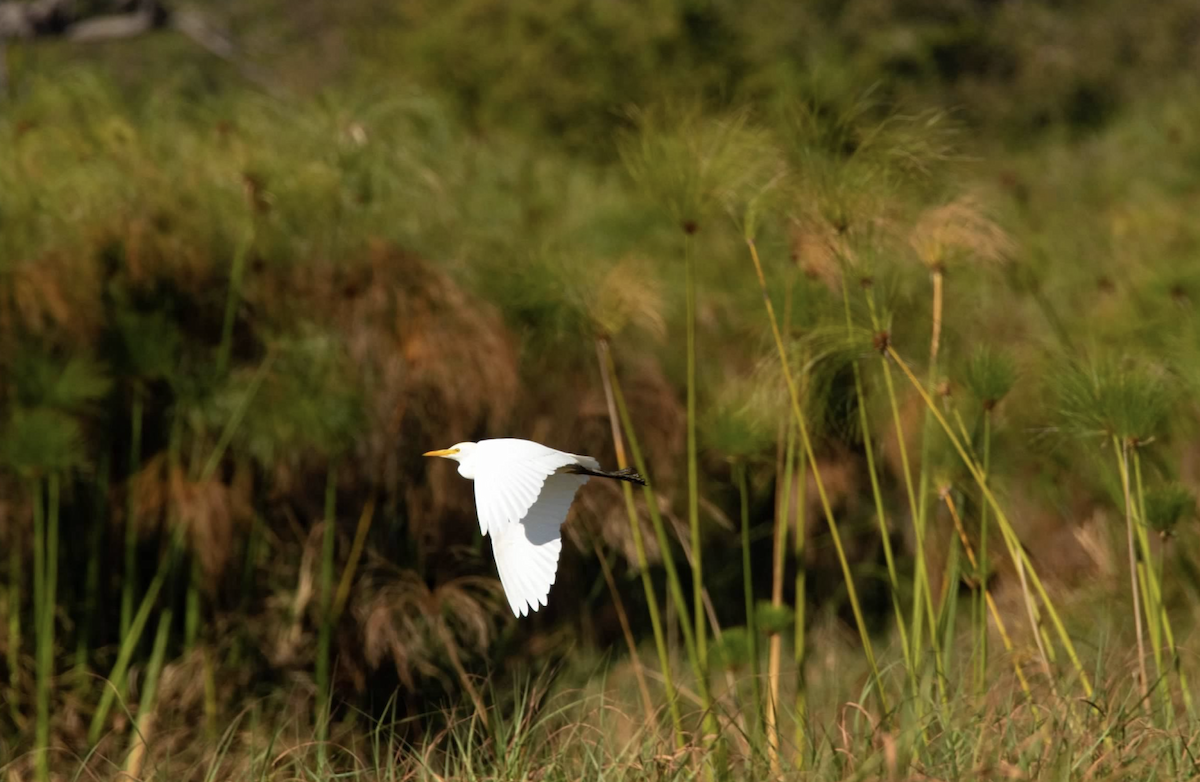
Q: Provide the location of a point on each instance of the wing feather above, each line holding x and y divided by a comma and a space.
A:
509, 475
527, 551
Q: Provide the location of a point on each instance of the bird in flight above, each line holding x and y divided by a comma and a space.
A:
523, 491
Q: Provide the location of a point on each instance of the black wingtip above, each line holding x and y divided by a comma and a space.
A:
628, 474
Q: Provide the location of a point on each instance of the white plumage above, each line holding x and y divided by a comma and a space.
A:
523, 491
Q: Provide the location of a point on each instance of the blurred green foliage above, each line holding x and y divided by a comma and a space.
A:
401, 210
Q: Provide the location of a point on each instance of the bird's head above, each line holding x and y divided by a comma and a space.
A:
458, 452
461, 453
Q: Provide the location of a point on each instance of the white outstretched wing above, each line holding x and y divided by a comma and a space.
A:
522, 500
509, 475
527, 552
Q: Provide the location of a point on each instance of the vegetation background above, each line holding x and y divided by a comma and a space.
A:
241, 294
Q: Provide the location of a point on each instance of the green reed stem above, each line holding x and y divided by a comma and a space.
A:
342, 594
39, 554
775, 645
1010, 536
851, 591
326, 630
948, 605
692, 472
42, 642
1123, 467
938, 279
608, 378
1151, 591
981, 570
137, 625
92, 575
129, 581
50, 595
147, 702
739, 472
990, 603
801, 607
880, 514
921, 586
1156, 584
232, 300
660, 533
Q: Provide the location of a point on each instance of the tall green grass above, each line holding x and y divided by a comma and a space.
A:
128, 385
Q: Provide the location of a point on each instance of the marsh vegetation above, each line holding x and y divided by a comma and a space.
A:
895, 307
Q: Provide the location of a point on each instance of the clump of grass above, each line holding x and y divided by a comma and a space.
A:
1128, 404
989, 377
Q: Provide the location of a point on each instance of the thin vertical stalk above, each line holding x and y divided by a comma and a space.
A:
739, 473
137, 624
692, 471
41, 608
608, 379
356, 548
1156, 585
778, 553
991, 604
880, 514
116, 679
1012, 542
847, 575
39, 554
981, 568
801, 648
1035, 623
923, 489
326, 629
129, 582
1123, 465
92, 575
147, 703
50, 595
675, 586
921, 586
46, 561
948, 605
232, 300
1151, 589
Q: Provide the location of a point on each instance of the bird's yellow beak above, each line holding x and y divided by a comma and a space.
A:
443, 452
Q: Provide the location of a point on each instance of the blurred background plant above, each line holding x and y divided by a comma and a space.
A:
239, 296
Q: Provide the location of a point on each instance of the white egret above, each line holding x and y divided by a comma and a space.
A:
523, 491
